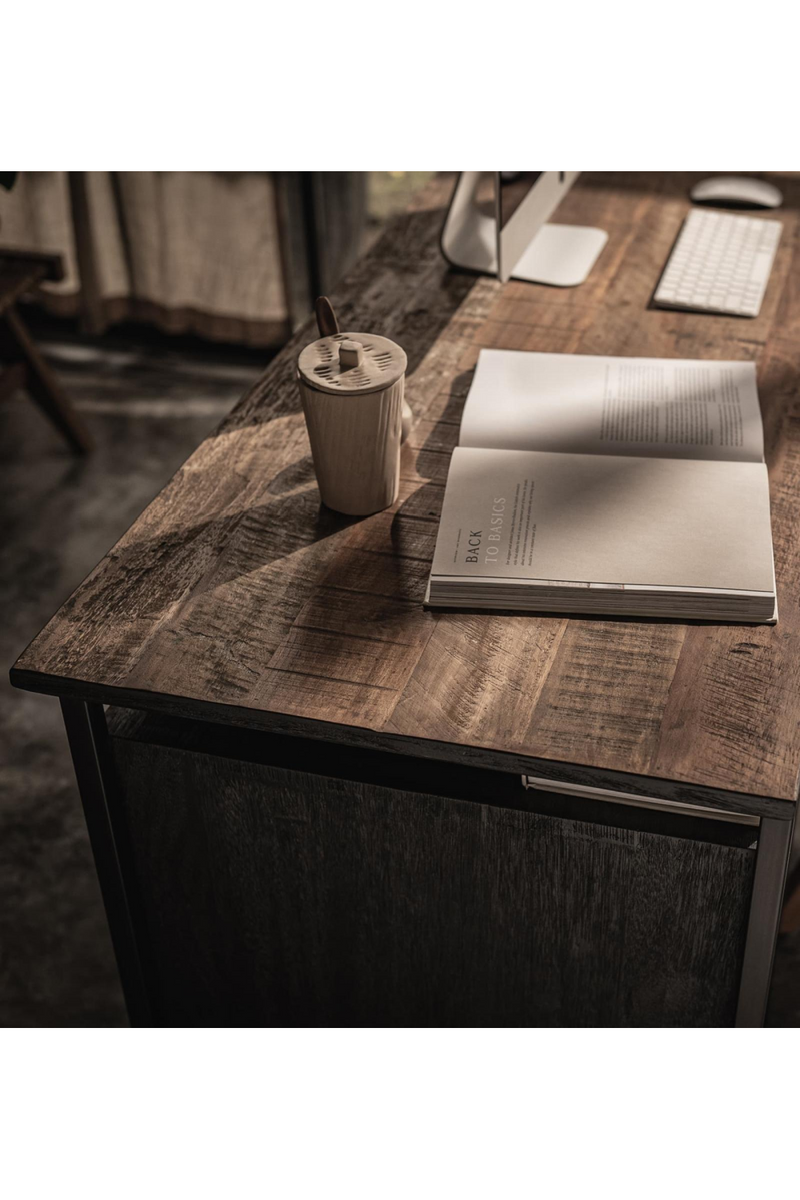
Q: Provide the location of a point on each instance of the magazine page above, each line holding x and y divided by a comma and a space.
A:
586, 404
597, 519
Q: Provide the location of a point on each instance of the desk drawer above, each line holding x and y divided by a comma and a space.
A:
279, 895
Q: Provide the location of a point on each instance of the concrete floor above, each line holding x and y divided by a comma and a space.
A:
148, 407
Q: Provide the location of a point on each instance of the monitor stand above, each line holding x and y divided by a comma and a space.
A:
559, 255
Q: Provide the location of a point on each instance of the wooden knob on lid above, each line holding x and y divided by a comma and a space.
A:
351, 354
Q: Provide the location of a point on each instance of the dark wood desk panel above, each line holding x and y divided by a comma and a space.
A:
236, 597
287, 883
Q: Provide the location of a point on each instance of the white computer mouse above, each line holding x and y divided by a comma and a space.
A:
736, 189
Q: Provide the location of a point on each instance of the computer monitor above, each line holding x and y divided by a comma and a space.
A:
497, 224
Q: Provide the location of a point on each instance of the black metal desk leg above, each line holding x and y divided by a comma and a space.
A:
769, 881
88, 737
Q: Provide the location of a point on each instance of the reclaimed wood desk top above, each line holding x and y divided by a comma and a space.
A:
236, 598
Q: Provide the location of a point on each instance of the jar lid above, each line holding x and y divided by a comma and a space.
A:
352, 362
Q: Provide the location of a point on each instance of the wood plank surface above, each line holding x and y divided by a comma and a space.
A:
276, 896
235, 596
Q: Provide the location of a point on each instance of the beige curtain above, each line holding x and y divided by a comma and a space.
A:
188, 251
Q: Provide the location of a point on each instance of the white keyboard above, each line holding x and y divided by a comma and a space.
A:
720, 263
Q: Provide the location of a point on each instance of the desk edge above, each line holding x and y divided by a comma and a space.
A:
703, 795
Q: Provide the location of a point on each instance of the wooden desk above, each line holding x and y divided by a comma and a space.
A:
307, 804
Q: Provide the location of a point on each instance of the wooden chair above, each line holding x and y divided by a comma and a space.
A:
22, 364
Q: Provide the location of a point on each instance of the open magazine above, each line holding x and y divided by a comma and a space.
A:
629, 486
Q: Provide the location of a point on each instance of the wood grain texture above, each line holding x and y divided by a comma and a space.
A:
236, 596
275, 896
